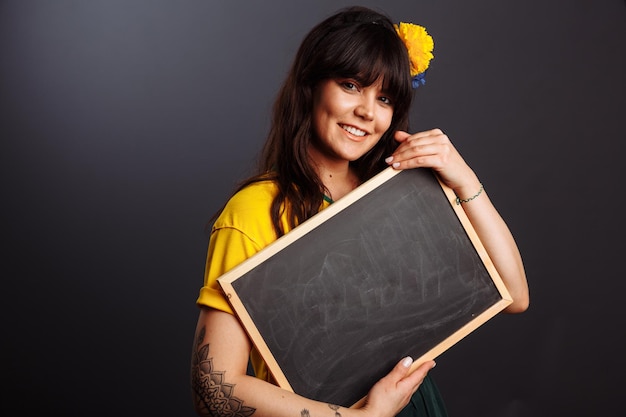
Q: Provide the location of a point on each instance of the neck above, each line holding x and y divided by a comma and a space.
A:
336, 174
338, 179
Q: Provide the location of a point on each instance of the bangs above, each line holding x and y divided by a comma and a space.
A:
368, 53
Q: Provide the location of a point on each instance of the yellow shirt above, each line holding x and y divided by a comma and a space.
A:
243, 228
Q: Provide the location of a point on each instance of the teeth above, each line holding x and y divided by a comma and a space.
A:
353, 130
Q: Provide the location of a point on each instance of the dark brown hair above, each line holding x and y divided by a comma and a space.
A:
356, 43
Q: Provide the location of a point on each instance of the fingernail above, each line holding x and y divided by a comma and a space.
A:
406, 362
434, 364
389, 159
396, 164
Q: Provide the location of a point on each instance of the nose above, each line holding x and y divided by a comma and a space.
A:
365, 107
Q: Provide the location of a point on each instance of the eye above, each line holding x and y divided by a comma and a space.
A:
349, 85
386, 100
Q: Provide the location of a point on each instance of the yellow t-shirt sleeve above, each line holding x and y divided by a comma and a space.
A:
228, 247
243, 228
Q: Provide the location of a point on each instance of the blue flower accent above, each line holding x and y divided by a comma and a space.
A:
419, 79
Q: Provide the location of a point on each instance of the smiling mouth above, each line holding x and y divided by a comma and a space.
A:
353, 130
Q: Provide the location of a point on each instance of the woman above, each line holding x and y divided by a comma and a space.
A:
339, 119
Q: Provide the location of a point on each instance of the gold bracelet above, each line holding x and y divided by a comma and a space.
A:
467, 200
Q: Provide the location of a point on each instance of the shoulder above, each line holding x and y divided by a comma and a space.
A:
254, 199
248, 211
262, 192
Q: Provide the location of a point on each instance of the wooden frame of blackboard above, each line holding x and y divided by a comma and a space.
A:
328, 338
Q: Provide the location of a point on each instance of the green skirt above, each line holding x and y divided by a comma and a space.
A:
426, 402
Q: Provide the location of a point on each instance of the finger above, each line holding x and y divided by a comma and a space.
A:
402, 136
415, 378
423, 155
401, 370
419, 144
420, 372
423, 149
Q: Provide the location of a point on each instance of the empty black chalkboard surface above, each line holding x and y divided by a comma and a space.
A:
392, 269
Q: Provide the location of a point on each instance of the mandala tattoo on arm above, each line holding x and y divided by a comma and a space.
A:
212, 394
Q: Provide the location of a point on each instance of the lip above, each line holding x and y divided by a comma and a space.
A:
345, 127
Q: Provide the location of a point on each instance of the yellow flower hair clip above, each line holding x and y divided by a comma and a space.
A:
419, 45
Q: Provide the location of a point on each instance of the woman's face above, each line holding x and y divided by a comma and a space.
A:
349, 119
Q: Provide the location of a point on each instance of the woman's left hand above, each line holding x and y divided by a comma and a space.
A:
433, 149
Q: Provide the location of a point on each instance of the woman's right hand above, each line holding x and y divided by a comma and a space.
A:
393, 392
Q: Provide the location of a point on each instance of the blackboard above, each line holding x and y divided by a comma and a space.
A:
392, 269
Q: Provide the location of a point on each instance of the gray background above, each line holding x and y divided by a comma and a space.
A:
125, 124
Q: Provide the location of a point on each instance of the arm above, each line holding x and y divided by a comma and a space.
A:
220, 386
434, 150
